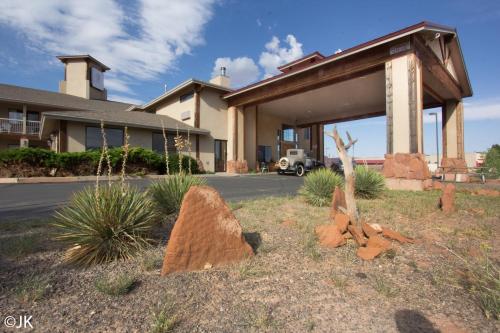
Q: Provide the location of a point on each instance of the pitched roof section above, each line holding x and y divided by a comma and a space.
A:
65, 59
425, 25
179, 87
302, 62
16, 94
119, 118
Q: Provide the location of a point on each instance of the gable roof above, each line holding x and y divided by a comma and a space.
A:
179, 87
17, 94
424, 25
132, 119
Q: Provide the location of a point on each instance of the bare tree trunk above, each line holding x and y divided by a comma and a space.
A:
352, 210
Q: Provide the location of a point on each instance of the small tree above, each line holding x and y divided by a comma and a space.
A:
342, 148
165, 143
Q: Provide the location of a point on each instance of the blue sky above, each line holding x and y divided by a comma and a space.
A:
150, 43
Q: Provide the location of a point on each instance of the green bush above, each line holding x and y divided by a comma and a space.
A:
319, 185
169, 192
115, 283
369, 183
113, 225
492, 160
85, 163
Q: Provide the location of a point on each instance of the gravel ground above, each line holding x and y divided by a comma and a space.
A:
291, 285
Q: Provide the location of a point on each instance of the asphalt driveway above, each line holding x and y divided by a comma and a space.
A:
25, 201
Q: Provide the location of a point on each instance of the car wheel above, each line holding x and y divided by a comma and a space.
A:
300, 171
280, 172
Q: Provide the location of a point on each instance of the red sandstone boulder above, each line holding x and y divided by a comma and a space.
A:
447, 199
206, 233
341, 221
368, 253
329, 235
450, 164
369, 230
338, 200
380, 242
357, 234
237, 166
406, 166
394, 235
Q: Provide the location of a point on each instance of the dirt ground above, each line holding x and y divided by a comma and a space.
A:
291, 285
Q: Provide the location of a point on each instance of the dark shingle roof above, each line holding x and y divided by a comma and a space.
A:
119, 118
56, 100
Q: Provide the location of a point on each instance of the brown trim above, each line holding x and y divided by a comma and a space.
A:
345, 53
197, 144
389, 107
197, 106
257, 137
432, 93
344, 119
413, 102
295, 62
443, 130
235, 134
434, 66
63, 136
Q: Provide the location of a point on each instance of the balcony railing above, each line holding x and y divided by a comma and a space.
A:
17, 126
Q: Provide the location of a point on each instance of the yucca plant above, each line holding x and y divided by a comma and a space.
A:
369, 183
105, 223
168, 193
319, 185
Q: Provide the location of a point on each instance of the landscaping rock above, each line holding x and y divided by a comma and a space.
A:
447, 199
369, 230
377, 241
487, 192
376, 226
357, 234
329, 235
338, 200
394, 235
406, 166
342, 221
368, 253
205, 233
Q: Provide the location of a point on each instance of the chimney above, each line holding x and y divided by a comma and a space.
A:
83, 77
222, 79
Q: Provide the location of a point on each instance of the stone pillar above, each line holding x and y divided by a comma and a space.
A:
453, 130
404, 105
250, 134
321, 143
25, 117
235, 141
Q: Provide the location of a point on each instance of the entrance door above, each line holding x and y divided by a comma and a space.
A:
220, 155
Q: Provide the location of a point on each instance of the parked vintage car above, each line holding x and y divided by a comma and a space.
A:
297, 162
338, 167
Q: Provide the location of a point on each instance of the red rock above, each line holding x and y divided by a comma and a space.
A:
437, 185
329, 235
394, 235
488, 192
376, 226
368, 230
447, 199
342, 221
205, 233
453, 165
236, 166
368, 253
357, 234
406, 166
377, 241
338, 200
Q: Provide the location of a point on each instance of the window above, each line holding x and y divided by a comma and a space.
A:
288, 134
186, 97
158, 144
264, 154
18, 115
93, 137
307, 133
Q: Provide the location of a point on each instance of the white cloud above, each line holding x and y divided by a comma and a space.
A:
476, 110
139, 42
275, 55
125, 99
241, 71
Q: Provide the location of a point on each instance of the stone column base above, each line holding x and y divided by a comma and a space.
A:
406, 166
237, 167
408, 184
454, 169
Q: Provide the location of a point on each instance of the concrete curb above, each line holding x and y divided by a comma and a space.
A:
78, 179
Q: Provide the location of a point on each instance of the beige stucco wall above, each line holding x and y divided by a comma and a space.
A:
76, 79
173, 108
250, 150
267, 130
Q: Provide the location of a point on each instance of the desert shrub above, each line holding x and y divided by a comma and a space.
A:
492, 160
319, 185
32, 288
369, 183
173, 164
113, 224
168, 193
37, 157
116, 283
